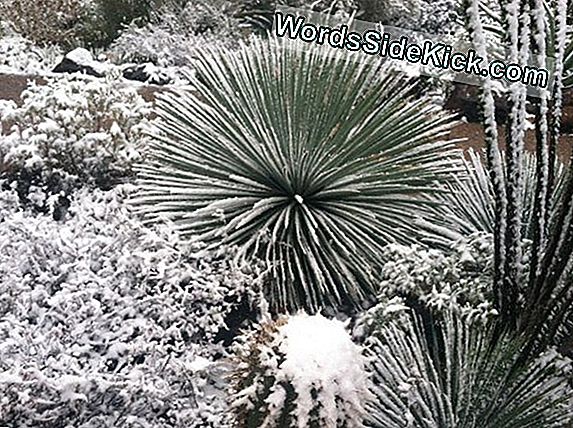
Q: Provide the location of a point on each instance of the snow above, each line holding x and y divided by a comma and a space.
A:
199, 364
20, 56
87, 314
326, 370
102, 316
80, 56
306, 341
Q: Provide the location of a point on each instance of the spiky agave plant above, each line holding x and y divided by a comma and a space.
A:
444, 372
467, 205
307, 161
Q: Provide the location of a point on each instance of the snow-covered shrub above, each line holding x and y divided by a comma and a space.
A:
438, 279
300, 371
105, 323
176, 30
152, 43
21, 55
45, 22
69, 133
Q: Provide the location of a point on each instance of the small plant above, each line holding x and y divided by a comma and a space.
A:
460, 276
300, 372
176, 29
22, 56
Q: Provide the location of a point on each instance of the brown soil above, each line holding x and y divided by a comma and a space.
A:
11, 86
474, 137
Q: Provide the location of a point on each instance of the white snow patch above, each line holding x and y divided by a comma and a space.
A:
80, 56
320, 354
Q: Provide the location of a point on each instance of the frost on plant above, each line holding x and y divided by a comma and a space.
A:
467, 205
300, 371
20, 55
177, 29
316, 200
445, 373
104, 322
70, 133
437, 279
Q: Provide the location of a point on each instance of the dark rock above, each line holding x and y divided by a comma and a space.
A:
68, 66
147, 73
79, 61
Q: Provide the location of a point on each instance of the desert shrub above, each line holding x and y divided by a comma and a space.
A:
106, 19
104, 322
314, 183
68, 133
195, 17
73, 23
154, 44
21, 55
532, 280
45, 22
299, 371
438, 279
176, 29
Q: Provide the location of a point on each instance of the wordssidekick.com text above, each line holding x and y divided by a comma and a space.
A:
373, 42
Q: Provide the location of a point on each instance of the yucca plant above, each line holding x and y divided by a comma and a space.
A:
443, 372
307, 161
467, 205
449, 370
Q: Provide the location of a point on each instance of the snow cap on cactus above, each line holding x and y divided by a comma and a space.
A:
301, 371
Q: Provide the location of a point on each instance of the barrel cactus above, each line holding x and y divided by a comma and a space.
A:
300, 371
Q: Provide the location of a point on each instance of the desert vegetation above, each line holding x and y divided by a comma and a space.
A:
201, 228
